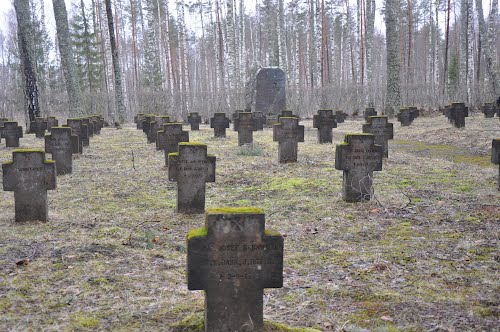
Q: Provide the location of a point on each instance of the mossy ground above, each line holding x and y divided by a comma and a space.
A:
423, 255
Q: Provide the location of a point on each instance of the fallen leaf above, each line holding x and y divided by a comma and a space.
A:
24, 261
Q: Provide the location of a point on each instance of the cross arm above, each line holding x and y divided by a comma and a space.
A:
9, 179
173, 159
211, 160
197, 259
273, 271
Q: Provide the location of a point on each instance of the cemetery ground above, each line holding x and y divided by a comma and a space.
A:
421, 256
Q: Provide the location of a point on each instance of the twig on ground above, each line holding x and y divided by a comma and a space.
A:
129, 239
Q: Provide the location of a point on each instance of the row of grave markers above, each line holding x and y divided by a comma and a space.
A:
29, 175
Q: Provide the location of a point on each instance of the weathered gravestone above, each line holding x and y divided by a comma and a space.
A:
489, 110
286, 114
383, 131
271, 119
194, 119
62, 144
98, 123
324, 121
2, 121
146, 123
245, 124
155, 126
233, 258
52, 122
495, 156
29, 176
260, 120
38, 126
270, 95
90, 126
191, 168
288, 133
358, 157
12, 133
369, 111
340, 116
457, 114
80, 129
138, 120
415, 113
405, 117
169, 138
219, 122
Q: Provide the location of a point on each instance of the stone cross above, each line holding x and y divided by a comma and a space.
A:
405, 117
260, 119
52, 122
39, 125
286, 114
146, 123
11, 132
98, 123
154, 127
81, 130
233, 258
194, 119
191, 168
288, 133
2, 121
415, 113
340, 116
324, 121
219, 122
61, 144
383, 131
169, 138
495, 156
457, 114
358, 157
29, 176
245, 124
489, 110
138, 120
90, 126
369, 111
270, 90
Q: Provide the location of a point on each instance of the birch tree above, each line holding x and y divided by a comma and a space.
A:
393, 97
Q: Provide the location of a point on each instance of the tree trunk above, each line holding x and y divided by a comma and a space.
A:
393, 97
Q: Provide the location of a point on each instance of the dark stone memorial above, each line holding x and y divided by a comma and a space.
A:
324, 121
415, 113
369, 111
138, 120
219, 122
288, 133
233, 258
191, 168
62, 144
39, 126
155, 126
52, 122
29, 176
286, 114
12, 133
270, 95
260, 119
98, 123
358, 157
383, 131
146, 123
2, 121
457, 114
169, 138
340, 116
194, 119
405, 117
245, 124
90, 126
489, 110
80, 130
495, 156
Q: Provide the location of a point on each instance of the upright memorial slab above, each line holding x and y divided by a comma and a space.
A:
146, 123
87, 121
29, 176
12, 133
358, 157
2, 121
169, 138
415, 113
405, 117
495, 156
270, 95
369, 111
324, 121
39, 126
191, 168
52, 122
219, 122
194, 119
246, 125
233, 258
288, 133
138, 120
79, 129
489, 110
155, 126
98, 123
457, 114
62, 144
340, 116
383, 131
260, 120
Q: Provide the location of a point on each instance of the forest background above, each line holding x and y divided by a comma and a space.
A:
180, 56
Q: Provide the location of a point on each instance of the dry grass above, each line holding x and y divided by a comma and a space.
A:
423, 255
